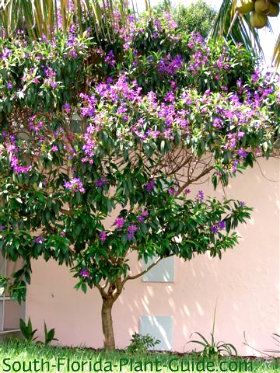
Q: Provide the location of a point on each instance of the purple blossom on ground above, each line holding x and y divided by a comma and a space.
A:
103, 236
119, 222
75, 185
84, 273
187, 191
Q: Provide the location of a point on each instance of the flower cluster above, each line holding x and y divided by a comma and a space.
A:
119, 222
143, 216
75, 185
215, 228
13, 154
169, 65
131, 230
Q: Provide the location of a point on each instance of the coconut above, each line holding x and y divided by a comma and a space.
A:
261, 6
273, 10
258, 20
244, 6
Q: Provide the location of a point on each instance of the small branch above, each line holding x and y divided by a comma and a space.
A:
191, 181
143, 272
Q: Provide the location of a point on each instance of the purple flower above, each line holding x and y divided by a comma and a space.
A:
75, 185
100, 183
141, 219
222, 224
9, 85
150, 186
16, 167
119, 222
144, 214
54, 148
172, 191
217, 227
2, 228
187, 191
103, 236
131, 230
67, 107
84, 273
242, 153
110, 58
214, 229
235, 166
218, 123
241, 203
39, 240
169, 65
6, 53
53, 84
169, 97
49, 72
200, 196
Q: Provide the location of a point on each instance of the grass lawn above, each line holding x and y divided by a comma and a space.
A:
20, 356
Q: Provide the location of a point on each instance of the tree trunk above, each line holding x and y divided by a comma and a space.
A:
107, 324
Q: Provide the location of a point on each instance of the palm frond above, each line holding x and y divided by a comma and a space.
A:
43, 17
237, 28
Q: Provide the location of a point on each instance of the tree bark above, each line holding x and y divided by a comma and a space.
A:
107, 324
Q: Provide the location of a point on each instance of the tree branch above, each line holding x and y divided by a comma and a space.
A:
145, 271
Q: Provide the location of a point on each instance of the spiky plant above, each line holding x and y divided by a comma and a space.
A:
44, 17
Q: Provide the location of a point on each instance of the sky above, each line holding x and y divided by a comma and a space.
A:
267, 37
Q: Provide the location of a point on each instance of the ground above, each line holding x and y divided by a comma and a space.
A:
20, 356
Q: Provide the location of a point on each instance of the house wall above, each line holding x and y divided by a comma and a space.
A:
245, 285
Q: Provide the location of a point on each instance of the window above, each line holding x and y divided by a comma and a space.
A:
159, 327
162, 272
10, 310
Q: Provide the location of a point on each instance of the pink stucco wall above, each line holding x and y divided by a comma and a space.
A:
245, 284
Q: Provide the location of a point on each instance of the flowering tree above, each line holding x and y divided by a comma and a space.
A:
92, 131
